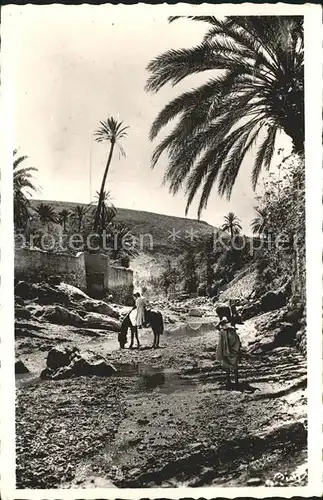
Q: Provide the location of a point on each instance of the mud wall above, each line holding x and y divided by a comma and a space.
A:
121, 284
35, 265
104, 279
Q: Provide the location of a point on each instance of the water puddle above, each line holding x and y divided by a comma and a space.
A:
149, 378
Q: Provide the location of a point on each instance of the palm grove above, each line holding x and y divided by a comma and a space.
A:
256, 92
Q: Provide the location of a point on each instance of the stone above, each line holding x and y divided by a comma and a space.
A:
195, 312
19, 301
20, 367
96, 320
142, 421
271, 301
54, 280
62, 316
66, 362
49, 295
254, 481
25, 290
21, 312
60, 356
101, 307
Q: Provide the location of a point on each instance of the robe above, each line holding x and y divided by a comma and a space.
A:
228, 348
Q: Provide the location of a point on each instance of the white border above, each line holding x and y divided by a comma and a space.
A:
313, 148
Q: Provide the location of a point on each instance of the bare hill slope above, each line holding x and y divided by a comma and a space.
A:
165, 230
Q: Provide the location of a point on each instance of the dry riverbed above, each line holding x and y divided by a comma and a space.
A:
165, 419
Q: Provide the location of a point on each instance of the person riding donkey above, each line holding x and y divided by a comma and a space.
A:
142, 305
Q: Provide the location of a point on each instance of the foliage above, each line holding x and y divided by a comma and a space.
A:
189, 269
79, 213
170, 276
260, 224
22, 188
107, 211
231, 224
63, 217
283, 201
46, 213
258, 93
109, 131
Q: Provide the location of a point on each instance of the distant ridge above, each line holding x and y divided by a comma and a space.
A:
140, 222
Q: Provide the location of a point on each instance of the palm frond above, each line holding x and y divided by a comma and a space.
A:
263, 155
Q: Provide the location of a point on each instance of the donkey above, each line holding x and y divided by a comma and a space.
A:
153, 318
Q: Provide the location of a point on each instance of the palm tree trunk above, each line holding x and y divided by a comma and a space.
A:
97, 215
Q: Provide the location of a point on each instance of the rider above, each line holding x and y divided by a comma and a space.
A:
142, 305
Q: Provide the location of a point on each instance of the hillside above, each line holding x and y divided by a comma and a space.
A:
141, 223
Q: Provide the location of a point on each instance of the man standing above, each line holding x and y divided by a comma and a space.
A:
228, 350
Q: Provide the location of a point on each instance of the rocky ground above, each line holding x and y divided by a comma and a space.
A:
164, 418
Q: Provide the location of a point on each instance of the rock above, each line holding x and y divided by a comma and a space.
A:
62, 316
100, 307
19, 301
96, 320
21, 312
294, 314
66, 362
20, 367
286, 334
25, 290
73, 292
195, 446
254, 481
250, 311
133, 472
60, 356
48, 294
142, 421
271, 301
54, 280
195, 312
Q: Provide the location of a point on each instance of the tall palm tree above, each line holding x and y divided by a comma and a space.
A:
259, 224
46, 214
63, 217
111, 131
22, 186
78, 214
257, 90
231, 224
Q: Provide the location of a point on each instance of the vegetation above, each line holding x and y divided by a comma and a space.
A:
282, 259
259, 93
23, 185
63, 217
110, 131
79, 213
46, 214
231, 224
260, 224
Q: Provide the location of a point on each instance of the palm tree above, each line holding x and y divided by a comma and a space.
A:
111, 131
63, 217
107, 212
78, 214
231, 224
259, 224
22, 186
46, 214
258, 92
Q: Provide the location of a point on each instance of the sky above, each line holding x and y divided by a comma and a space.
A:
73, 66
